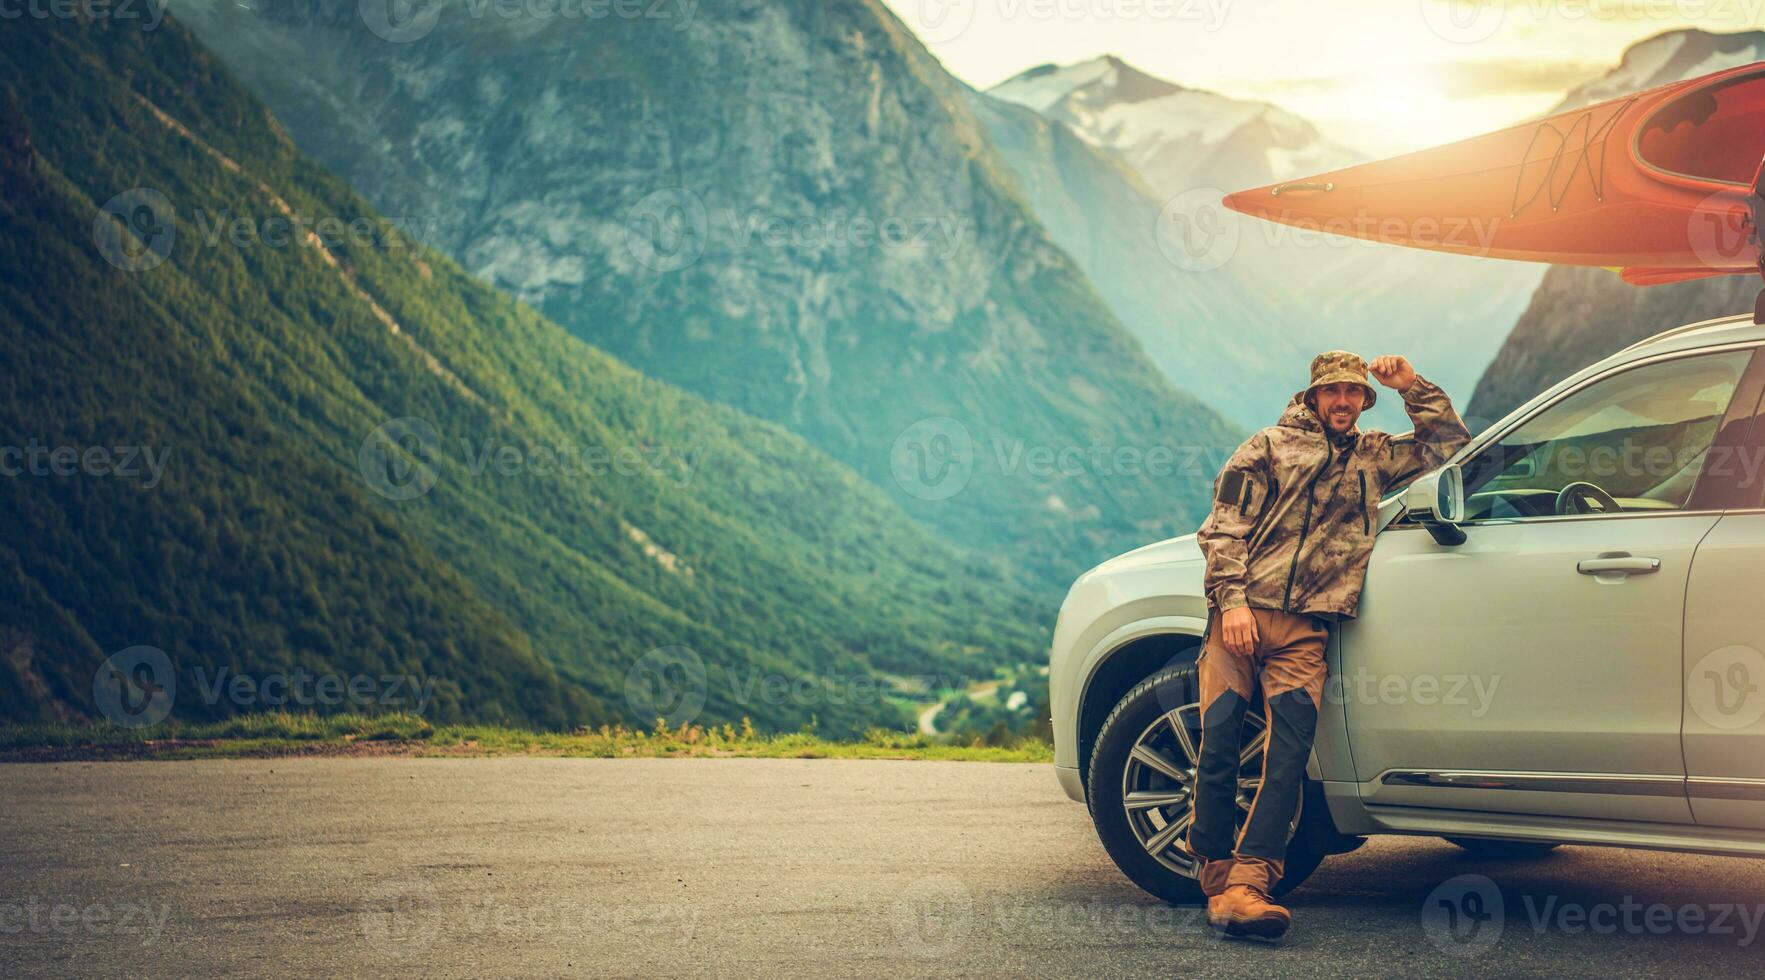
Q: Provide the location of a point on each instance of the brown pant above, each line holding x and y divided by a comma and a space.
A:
1288, 667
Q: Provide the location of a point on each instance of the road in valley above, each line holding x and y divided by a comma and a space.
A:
734, 867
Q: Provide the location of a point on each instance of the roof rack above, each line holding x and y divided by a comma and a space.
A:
1685, 329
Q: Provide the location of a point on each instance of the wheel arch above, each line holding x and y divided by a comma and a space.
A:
1118, 671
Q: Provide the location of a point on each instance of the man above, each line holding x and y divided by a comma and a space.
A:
1287, 544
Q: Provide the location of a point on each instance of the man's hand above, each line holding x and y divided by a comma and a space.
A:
1393, 371
1238, 630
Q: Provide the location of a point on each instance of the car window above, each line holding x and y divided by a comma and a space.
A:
1634, 441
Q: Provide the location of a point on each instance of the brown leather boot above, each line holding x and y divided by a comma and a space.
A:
1242, 911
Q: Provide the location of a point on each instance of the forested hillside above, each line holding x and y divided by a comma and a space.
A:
787, 206
365, 453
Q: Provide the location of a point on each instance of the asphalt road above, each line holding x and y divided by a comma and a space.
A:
545, 867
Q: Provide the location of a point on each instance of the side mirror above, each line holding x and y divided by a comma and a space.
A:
1437, 502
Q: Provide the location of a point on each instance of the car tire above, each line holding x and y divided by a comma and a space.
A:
1134, 714
1504, 850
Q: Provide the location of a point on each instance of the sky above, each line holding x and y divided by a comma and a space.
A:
1380, 75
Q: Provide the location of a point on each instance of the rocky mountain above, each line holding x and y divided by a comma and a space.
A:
1177, 137
1579, 315
1269, 297
787, 206
1669, 57
1190, 320
253, 426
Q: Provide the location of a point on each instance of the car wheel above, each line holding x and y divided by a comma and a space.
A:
1140, 783
1505, 850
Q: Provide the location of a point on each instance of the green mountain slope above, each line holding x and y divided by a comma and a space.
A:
784, 205
298, 524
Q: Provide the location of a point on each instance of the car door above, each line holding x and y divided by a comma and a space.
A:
1536, 668
1725, 650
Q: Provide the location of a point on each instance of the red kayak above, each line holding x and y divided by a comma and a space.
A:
1661, 184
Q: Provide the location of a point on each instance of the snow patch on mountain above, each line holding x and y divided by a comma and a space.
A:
1041, 87
1162, 128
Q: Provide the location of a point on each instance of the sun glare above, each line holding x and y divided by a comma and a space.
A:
1404, 99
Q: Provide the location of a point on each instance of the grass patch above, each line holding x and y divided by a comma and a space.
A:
281, 734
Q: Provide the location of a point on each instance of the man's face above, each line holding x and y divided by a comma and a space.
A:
1339, 404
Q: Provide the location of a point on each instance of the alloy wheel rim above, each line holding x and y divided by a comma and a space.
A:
1158, 782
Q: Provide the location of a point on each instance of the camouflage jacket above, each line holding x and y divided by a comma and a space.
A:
1294, 510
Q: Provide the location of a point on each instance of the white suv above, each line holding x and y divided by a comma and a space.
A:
1559, 640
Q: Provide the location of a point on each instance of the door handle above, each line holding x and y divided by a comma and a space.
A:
1618, 563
